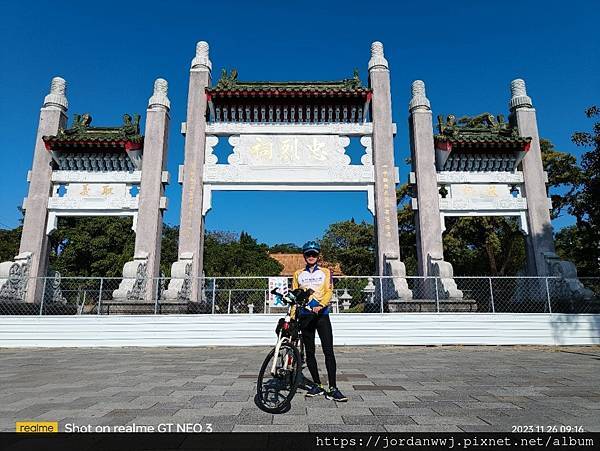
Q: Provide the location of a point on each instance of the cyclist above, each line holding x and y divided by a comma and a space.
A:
320, 280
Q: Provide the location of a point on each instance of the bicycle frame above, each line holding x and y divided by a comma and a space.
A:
281, 340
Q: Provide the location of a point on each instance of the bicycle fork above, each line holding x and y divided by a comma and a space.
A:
287, 359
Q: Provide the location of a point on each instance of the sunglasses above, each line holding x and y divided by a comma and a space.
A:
311, 254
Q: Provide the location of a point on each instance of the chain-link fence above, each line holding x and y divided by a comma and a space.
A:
251, 295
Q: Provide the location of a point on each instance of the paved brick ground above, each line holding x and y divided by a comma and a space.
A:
391, 388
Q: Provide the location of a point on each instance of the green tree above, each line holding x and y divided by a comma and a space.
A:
475, 246
406, 229
351, 245
91, 246
243, 257
169, 248
581, 243
10, 240
285, 248
100, 246
224, 254
223, 237
9, 243
484, 245
573, 244
586, 206
564, 176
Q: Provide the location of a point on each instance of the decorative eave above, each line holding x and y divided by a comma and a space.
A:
229, 86
479, 143
83, 137
97, 144
479, 133
482, 142
284, 92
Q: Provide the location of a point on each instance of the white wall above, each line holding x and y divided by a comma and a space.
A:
259, 329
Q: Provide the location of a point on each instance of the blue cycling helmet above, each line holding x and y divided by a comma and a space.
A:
311, 246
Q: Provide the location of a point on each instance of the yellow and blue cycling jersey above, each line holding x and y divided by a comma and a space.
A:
318, 279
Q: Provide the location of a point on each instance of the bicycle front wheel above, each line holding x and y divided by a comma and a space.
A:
275, 389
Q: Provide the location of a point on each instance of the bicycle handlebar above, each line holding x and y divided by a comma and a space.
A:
294, 300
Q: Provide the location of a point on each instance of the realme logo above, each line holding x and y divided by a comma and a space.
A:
37, 426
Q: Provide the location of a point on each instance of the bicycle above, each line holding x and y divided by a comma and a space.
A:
281, 371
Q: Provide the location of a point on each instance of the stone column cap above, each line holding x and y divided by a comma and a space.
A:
519, 97
419, 100
377, 59
202, 59
57, 96
159, 97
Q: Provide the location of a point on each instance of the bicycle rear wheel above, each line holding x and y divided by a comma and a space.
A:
275, 391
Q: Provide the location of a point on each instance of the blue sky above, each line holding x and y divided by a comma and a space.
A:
467, 52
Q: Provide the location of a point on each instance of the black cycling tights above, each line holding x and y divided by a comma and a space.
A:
322, 325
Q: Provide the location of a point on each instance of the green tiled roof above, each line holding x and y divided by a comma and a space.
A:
81, 133
483, 129
483, 139
229, 83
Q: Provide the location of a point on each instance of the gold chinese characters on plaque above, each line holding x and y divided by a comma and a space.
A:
480, 191
285, 150
92, 190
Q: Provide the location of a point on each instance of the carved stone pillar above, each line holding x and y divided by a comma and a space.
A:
539, 240
430, 248
541, 257
191, 231
34, 239
154, 178
152, 203
386, 217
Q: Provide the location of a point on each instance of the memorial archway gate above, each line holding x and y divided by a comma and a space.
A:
482, 166
287, 136
85, 170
